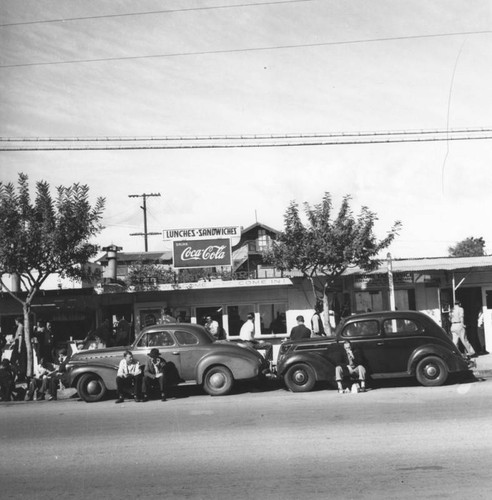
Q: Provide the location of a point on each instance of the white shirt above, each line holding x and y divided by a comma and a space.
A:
125, 369
247, 330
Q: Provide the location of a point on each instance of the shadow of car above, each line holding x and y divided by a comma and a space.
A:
394, 344
189, 349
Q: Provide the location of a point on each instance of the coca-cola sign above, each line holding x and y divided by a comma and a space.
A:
201, 253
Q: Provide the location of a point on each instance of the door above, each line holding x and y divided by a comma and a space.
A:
487, 316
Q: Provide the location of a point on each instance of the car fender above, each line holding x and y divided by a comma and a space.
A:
453, 361
242, 366
106, 372
323, 368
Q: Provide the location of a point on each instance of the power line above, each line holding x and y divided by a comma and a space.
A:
360, 133
152, 12
244, 141
250, 49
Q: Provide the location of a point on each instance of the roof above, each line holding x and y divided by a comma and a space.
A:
261, 226
430, 264
140, 257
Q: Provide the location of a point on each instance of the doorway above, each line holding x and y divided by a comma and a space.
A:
215, 312
471, 301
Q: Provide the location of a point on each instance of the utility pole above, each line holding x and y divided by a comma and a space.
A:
144, 208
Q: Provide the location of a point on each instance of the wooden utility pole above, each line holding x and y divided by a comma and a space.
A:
144, 208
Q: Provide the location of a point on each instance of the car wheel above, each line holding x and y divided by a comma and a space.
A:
431, 371
300, 378
91, 388
218, 381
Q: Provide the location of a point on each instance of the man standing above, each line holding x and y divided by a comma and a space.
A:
122, 331
129, 374
458, 328
317, 322
247, 335
212, 326
300, 331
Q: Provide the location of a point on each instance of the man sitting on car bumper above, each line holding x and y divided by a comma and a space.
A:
129, 378
351, 364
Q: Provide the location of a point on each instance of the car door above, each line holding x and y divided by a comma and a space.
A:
162, 340
191, 350
401, 337
365, 335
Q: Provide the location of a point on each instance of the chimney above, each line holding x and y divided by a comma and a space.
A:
112, 261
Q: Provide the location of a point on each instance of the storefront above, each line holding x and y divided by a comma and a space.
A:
431, 286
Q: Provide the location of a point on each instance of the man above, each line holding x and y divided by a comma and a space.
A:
300, 331
350, 363
122, 331
155, 372
317, 322
247, 335
60, 375
212, 326
129, 378
458, 328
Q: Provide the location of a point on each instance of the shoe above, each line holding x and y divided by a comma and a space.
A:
163, 397
340, 391
50, 398
41, 397
145, 398
362, 389
119, 400
138, 400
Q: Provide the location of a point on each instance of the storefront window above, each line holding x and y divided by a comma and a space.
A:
272, 318
237, 316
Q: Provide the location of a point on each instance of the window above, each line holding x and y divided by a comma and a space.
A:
264, 241
154, 339
237, 316
272, 318
395, 326
185, 338
361, 329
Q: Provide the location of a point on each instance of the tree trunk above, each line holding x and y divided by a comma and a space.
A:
27, 338
326, 313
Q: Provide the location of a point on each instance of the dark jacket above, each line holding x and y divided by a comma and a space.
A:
300, 332
149, 370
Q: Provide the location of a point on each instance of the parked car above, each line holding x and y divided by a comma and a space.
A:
190, 351
393, 344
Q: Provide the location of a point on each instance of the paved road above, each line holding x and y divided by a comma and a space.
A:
392, 442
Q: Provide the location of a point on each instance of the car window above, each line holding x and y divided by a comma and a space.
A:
361, 329
400, 326
185, 338
152, 339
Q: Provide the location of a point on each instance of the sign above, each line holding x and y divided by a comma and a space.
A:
203, 233
202, 253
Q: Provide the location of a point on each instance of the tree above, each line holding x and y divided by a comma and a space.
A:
324, 248
469, 247
50, 236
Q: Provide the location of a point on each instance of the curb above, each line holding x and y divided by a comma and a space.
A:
482, 373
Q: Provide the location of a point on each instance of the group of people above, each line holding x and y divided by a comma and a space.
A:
44, 383
138, 381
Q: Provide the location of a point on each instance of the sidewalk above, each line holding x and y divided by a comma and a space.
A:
484, 366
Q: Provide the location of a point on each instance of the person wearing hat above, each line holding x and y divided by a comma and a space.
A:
154, 373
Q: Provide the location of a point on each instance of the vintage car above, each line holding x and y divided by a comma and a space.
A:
192, 354
393, 344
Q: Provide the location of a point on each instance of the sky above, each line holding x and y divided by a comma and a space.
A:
187, 68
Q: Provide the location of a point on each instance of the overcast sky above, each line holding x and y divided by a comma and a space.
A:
392, 76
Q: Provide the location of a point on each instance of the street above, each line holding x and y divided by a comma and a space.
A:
395, 441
